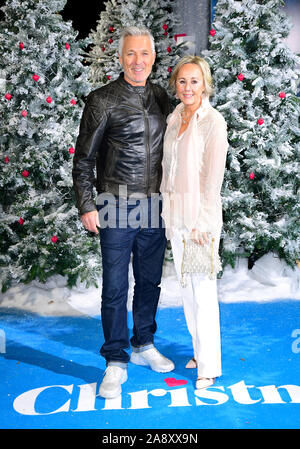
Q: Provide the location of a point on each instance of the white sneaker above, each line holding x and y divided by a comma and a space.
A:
114, 376
204, 382
153, 358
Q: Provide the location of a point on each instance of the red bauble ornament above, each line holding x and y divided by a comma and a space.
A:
49, 100
169, 49
241, 77
110, 40
67, 46
282, 94
35, 77
252, 175
21, 221
111, 29
260, 121
71, 150
165, 27
6, 159
169, 69
8, 96
73, 101
21, 45
108, 77
24, 113
25, 173
103, 48
212, 32
165, 33
54, 239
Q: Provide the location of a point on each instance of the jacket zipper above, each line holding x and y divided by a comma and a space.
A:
146, 122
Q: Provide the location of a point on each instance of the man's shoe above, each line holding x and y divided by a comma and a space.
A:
153, 358
114, 376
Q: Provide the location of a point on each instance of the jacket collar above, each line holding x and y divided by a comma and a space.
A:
136, 89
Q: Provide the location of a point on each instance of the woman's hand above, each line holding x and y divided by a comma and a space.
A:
199, 237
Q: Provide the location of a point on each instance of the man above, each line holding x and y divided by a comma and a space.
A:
121, 132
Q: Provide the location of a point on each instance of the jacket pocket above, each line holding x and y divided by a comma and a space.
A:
110, 163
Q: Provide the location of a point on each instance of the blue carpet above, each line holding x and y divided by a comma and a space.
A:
51, 370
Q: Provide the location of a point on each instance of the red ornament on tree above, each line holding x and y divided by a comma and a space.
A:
49, 100
54, 239
108, 77
24, 113
169, 69
212, 32
111, 29
282, 94
25, 173
67, 46
260, 121
8, 96
73, 101
165, 33
165, 26
103, 48
21, 45
169, 49
6, 159
71, 150
241, 77
252, 175
110, 40
21, 221
35, 77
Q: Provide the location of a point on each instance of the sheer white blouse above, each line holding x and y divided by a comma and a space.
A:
193, 170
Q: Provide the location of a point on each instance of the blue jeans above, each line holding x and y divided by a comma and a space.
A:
133, 233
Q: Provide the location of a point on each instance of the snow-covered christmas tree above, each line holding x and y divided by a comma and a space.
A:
256, 78
43, 82
156, 15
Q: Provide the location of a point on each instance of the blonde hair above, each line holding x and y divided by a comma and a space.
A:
205, 69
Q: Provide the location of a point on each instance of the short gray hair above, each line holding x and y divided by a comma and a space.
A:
135, 31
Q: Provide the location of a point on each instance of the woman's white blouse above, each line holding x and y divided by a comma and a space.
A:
193, 170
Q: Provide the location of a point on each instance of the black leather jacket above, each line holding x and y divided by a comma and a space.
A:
121, 132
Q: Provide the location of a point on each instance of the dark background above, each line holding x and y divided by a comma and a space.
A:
83, 14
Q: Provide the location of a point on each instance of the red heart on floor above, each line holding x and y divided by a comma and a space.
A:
172, 382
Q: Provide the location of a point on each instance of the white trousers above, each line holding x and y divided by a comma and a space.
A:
201, 310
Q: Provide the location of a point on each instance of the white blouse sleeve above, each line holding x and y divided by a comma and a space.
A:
211, 177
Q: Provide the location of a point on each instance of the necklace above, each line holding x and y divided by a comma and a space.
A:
185, 117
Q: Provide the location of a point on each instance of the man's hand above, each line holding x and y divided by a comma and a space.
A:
90, 221
199, 237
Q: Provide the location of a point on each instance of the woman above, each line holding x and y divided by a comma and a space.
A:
195, 149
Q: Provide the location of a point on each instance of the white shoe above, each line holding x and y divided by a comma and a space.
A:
204, 382
114, 376
153, 358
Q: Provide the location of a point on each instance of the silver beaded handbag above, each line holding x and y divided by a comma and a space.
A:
200, 259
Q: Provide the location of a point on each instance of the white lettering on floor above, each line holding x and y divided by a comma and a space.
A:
25, 403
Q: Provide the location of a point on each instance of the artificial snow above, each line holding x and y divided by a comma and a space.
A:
269, 280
